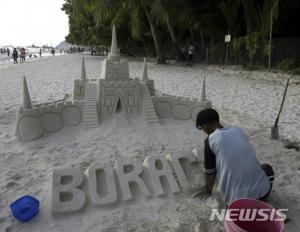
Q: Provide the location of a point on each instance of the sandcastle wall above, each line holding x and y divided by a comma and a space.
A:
109, 92
47, 118
168, 106
115, 69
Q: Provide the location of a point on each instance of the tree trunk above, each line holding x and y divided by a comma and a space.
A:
248, 6
203, 51
249, 25
180, 56
155, 35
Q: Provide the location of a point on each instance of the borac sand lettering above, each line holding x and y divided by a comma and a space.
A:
109, 184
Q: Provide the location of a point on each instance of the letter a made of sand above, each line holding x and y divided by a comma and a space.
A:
175, 160
159, 167
66, 196
131, 176
102, 184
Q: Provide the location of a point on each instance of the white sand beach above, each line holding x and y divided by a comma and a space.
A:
249, 99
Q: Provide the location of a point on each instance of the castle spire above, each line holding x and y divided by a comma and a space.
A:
26, 96
145, 74
83, 71
114, 46
203, 91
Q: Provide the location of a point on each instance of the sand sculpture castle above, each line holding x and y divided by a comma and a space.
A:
113, 96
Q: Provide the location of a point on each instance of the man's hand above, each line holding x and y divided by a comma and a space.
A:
202, 194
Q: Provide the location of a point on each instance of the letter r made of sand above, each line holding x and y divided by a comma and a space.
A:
66, 195
129, 171
159, 167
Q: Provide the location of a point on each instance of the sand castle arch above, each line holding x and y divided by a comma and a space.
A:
94, 101
119, 105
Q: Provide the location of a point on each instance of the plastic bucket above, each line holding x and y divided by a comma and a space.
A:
250, 215
25, 208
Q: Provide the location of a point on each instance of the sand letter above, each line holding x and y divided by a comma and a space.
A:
175, 160
160, 167
102, 184
129, 171
66, 196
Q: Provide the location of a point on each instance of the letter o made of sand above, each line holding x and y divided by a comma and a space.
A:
163, 109
181, 112
71, 116
51, 122
29, 128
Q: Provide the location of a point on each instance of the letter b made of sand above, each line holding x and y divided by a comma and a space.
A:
66, 195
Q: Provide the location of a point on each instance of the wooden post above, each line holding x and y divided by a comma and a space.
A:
226, 53
227, 41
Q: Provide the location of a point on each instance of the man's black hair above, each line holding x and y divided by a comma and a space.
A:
207, 116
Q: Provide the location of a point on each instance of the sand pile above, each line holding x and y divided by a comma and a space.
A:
247, 99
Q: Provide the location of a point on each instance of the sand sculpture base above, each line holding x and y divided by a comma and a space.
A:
93, 102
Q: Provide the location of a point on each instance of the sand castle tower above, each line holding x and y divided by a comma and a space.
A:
145, 73
114, 68
83, 71
117, 93
26, 96
79, 84
114, 48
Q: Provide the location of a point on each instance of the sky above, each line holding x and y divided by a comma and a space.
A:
27, 22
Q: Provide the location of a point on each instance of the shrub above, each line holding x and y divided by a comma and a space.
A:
287, 65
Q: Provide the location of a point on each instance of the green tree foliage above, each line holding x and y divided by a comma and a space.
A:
157, 24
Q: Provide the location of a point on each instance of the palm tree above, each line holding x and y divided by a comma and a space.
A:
117, 11
268, 9
258, 14
230, 10
146, 5
250, 14
167, 11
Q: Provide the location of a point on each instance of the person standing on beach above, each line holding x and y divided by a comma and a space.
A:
15, 55
40, 52
185, 54
230, 161
22, 55
8, 51
191, 55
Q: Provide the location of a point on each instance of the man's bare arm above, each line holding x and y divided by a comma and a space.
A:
209, 182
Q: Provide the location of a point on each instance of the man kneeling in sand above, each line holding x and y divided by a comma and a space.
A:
230, 161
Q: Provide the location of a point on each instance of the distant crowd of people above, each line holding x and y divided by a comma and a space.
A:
75, 50
18, 55
98, 51
5, 51
21, 53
